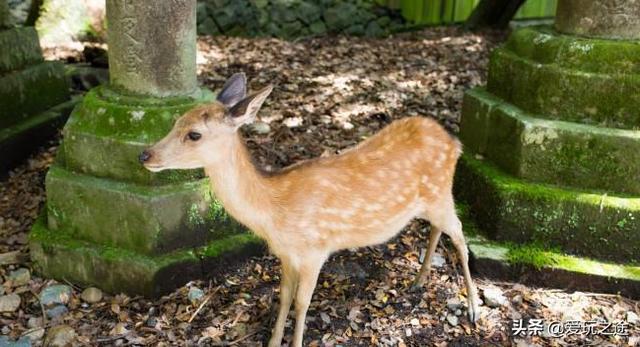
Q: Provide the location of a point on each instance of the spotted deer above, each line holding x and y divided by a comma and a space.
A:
361, 197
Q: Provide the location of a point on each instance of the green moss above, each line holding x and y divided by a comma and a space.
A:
217, 211
547, 151
194, 216
557, 92
107, 132
538, 257
509, 209
225, 245
63, 256
50, 116
544, 45
149, 220
30, 91
532, 255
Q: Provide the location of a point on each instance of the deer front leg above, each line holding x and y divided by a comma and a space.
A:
308, 273
287, 291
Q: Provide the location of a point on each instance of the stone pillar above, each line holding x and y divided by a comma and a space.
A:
552, 141
110, 222
34, 94
152, 48
619, 19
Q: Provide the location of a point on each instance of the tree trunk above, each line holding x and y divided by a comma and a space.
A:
494, 14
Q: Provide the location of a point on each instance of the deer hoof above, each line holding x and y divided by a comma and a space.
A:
416, 288
474, 313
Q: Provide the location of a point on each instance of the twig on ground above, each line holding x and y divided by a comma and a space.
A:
204, 302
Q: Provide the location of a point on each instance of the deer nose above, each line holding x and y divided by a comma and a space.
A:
144, 156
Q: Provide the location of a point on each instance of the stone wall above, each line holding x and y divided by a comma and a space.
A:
296, 18
70, 20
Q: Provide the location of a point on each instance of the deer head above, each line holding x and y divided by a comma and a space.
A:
203, 135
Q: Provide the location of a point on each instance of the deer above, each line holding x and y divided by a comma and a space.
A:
360, 197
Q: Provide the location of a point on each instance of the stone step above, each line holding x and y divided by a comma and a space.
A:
145, 219
550, 269
21, 49
542, 44
548, 151
582, 223
31, 91
63, 257
20, 140
587, 81
107, 132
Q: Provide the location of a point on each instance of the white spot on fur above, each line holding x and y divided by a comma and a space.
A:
373, 207
325, 183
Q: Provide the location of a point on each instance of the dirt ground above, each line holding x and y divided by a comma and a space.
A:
330, 94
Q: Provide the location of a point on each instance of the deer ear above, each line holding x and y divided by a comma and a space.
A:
245, 111
234, 90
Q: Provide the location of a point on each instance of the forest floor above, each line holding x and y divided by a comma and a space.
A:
330, 94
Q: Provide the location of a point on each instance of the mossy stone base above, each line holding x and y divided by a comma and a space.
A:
143, 219
58, 255
549, 151
111, 223
507, 262
22, 48
568, 78
18, 141
31, 91
107, 132
577, 222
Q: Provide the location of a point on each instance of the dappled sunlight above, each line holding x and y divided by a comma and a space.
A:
331, 93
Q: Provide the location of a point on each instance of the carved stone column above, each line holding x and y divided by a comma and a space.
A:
152, 47
553, 148
110, 222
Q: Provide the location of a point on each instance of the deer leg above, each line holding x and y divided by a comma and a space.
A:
420, 279
308, 273
454, 231
287, 290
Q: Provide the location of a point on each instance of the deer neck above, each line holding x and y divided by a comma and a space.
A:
243, 191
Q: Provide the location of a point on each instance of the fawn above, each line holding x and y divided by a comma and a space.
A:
363, 196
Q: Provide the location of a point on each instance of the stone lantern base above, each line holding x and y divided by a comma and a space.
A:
34, 95
553, 150
109, 222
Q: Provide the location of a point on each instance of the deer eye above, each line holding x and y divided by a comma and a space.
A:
194, 136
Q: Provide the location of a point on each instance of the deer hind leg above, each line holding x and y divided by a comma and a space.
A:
288, 284
447, 221
422, 276
308, 274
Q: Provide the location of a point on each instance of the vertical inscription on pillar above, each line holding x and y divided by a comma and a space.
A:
131, 45
152, 47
